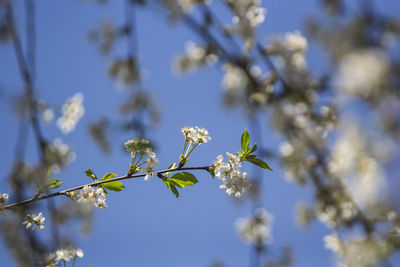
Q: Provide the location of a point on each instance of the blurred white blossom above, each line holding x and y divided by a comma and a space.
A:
59, 154
235, 79
64, 255
72, 112
354, 161
195, 56
291, 51
357, 252
248, 15
362, 73
256, 228
46, 113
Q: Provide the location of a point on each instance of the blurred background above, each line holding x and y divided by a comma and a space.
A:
315, 83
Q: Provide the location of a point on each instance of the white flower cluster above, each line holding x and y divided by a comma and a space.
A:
34, 221
90, 197
248, 15
141, 147
195, 135
336, 215
291, 52
59, 154
178, 8
235, 79
195, 57
138, 146
362, 73
256, 228
151, 164
64, 255
228, 172
72, 112
357, 252
353, 160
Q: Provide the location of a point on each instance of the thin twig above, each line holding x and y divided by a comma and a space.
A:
66, 191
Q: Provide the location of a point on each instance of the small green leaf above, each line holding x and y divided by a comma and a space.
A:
53, 183
174, 190
108, 176
259, 163
114, 186
91, 174
171, 185
245, 141
176, 183
184, 178
248, 157
253, 149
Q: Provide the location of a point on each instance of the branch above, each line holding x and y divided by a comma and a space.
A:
64, 192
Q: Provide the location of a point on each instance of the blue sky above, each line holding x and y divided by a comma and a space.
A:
145, 225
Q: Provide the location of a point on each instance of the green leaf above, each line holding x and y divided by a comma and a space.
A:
259, 163
53, 183
184, 178
174, 190
108, 176
248, 157
171, 185
253, 149
245, 141
91, 174
114, 186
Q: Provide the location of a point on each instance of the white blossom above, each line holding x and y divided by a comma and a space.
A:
195, 135
151, 164
72, 112
34, 221
256, 228
90, 197
64, 255
234, 181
